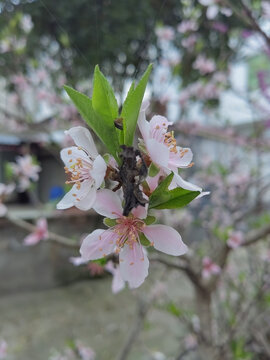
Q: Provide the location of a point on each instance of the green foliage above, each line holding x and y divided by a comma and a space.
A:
153, 170
163, 198
150, 220
174, 309
103, 100
131, 107
102, 126
239, 352
143, 239
8, 171
109, 222
101, 111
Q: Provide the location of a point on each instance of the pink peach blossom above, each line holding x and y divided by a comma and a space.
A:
209, 268
161, 147
26, 170
124, 238
165, 33
40, 233
187, 26
86, 168
204, 65
235, 239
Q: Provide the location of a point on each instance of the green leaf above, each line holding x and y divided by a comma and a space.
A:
103, 99
104, 128
153, 170
163, 198
109, 222
174, 309
132, 105
143, 239
150, 220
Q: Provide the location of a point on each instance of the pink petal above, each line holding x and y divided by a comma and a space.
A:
31, 239
118, 283
82, 137
158, 152
178, 161
177, 179
77, 260
134, 265
99, 170
86, 196
142, 122
68, 200
165, 239
72, 153
98, 244
140, 211
153, 181
108, 204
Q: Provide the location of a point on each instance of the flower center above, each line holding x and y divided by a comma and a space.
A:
79, 170
128, 230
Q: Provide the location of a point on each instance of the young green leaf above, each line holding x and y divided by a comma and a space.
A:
103, 99
153, 170
132, 105
143, 240
104, 129
163, 198
109, 222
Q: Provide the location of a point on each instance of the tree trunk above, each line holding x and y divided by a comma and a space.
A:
203, 305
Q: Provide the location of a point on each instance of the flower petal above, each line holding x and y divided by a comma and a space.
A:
98, 244
181, 159
158, 152
165, 239
70, 155
86, 196
68, 199
177, 179
143, 124
82, 137
108, 204
118, 283
99, 170
140, 211
134, 265
31, 239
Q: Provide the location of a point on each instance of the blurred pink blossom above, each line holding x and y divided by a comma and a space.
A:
235, 239
95, 269
220, 26
3, 349
86, 353
165, 33
266, 9
189, 42
187, 26
25, 169
40, 233
209, 268
118, 283
204, 65
191, 341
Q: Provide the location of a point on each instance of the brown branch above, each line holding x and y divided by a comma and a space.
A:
187, 269
59, 239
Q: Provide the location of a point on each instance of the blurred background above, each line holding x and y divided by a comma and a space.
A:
211, 78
